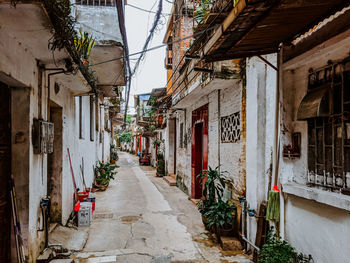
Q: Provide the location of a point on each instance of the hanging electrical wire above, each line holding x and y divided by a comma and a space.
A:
152, 48
150, 36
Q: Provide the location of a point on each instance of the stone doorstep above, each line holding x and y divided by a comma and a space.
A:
170, 180
62, 261
173, 176
231, 244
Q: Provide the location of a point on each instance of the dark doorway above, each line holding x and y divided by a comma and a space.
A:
54, 179
198, 158
5, 173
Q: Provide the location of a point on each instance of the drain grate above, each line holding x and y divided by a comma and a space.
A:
130, 219
103, 216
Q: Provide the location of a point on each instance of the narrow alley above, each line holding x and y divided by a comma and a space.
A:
140, 218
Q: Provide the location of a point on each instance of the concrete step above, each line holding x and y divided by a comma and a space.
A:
173, 176
62, 261
171, 181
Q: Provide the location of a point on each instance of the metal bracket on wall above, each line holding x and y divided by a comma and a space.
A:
267, 62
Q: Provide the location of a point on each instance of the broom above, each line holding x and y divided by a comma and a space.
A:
273, 205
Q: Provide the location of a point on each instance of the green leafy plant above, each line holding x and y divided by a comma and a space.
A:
157, 143
84, 44
220, 214
113, 153
104, 172
125, 137
276, 250
214, 184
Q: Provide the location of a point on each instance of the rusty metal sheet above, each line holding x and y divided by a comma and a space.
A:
262, 25
314, 104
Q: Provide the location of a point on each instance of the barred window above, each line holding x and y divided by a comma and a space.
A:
329, 136
96, 2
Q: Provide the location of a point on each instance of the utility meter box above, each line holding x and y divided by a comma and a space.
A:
43, 136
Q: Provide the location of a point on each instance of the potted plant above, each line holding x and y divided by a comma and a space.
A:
113, 154
214, 184
104, 173
221, 217
276, 250
83, 45
160, 165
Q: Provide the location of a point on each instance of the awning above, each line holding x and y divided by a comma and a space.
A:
314, 104
256, 27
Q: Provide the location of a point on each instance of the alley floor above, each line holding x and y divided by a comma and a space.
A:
140, 218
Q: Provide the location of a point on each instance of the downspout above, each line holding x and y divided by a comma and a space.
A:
219, 130
58, 71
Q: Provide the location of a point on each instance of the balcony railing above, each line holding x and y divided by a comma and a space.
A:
96, 2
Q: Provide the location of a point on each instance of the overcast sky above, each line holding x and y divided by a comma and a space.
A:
151, 73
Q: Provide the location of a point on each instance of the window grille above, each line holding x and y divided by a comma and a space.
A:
231, 128
96, 2
329, 137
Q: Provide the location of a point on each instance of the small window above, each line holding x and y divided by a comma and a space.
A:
81, 118
92, 118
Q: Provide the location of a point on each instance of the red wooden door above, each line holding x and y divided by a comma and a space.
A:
199, 148
5, 171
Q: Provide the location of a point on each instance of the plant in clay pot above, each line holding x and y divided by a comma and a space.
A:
83, 45
104, 173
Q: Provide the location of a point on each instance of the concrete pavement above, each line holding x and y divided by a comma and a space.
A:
139, 218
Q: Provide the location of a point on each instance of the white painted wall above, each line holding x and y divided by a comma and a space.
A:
261, 99
30, 169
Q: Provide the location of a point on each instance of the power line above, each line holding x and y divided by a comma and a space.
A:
152, 48
147, 11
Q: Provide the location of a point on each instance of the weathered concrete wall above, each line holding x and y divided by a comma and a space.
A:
99, 21
312, 227
261, 99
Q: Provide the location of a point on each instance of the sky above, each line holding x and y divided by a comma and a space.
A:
151, 73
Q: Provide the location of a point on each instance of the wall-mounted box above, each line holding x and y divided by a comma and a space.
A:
43, 136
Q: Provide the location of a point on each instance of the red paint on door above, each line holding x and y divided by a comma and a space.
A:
199, 148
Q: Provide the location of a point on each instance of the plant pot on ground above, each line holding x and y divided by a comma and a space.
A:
104, 172
221, 217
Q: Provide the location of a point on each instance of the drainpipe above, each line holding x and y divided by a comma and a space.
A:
57, 71
243, 219
219, 128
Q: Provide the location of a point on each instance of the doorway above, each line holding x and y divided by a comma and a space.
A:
54, 159
199, 149
198, 158
5, 173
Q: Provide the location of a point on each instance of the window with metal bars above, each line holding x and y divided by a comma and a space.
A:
329, 136
96, 2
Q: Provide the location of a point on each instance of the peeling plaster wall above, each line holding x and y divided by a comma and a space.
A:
312, 227
261, 99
